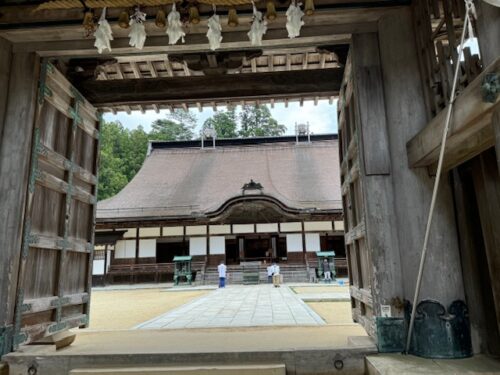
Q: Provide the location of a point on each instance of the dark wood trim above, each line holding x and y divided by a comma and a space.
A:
208, 88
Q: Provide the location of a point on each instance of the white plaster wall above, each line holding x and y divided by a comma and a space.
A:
291, 227
198, 246
147, 248
294, 243
220, 229
266, 228
130, 233
243, 228
125, 249
173, 231
339, 225
196, 229
217, 245
98, 267
312, 242
149, 232
317, 226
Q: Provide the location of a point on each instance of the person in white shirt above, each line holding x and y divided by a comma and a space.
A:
276, 275
222, 274
270, 271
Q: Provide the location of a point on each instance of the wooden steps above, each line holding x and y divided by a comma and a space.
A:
273, 369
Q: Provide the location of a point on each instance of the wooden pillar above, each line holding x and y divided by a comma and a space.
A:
375, 164
495, 121
15, 153
5, 58
477, 282
488, 30
406, 115
487, 187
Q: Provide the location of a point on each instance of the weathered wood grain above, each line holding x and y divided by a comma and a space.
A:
380, 217
5, 57
196, 88
14, 170
470, 116
412, 188
487, 186
368, 76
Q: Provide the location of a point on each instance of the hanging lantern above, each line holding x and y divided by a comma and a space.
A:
174, 29
258, 28
309, 7
88, 23
232, 17
137, 33
194, 15
294, 19
214, 33
103, 35
160, 20
271, 11
124, 20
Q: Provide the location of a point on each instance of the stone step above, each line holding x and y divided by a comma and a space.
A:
273, 369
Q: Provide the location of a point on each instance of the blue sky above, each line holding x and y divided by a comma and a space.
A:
322, 118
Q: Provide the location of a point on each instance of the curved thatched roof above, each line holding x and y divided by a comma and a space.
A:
179, 180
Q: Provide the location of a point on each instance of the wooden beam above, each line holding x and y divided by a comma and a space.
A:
207, 89
310, 36
470, 131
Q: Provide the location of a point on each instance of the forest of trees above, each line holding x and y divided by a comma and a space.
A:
123, 151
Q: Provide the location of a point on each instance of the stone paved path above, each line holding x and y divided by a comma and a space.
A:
239, 306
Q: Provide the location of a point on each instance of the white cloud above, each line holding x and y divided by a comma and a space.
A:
322, 118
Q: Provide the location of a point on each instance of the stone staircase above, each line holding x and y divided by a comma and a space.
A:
296, 273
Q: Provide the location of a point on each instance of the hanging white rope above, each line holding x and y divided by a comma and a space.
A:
174, 29
214, 33
258, 28
103, 35
470, 12
137, 33
294, 19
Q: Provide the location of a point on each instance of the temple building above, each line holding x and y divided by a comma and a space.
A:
233, 200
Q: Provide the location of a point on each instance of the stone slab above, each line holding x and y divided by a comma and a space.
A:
187, 370
397, 364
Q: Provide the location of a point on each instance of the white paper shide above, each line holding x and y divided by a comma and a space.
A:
214, 33
103, 35
294, 19
258, 28
174, 29
137, 33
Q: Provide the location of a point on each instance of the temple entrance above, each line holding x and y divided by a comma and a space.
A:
258, 248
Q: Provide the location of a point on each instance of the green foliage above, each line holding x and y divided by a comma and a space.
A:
256, 121
224, 123
178, 126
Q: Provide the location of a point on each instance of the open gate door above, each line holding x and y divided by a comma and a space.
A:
358, 255
56, 263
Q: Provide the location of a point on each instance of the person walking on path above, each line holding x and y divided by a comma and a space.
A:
222, 274
327, 271
276, 275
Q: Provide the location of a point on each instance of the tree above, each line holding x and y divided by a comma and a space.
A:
224, 123
256, 121
178, 126
111, 176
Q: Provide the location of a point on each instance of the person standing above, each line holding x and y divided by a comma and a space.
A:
222, 274
276, 275
270, 271
327, 271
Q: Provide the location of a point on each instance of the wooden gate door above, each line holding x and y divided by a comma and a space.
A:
357, 252
56, 261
